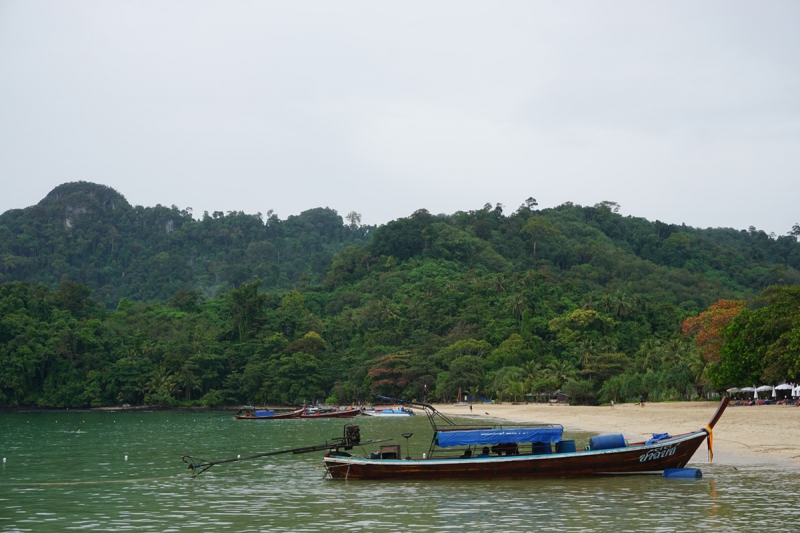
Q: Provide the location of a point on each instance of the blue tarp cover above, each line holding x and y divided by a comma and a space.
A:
657, 437
265, 413
476, 437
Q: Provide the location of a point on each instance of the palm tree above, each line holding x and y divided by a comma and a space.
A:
515, 389
639, 303
586, 348
606, 345
698, 365
187, 379
474, 392
498, 283
673, 351
518, 306
588, 302
162, 383
620, 304
606, 303
530, 370
560, 372
647, 354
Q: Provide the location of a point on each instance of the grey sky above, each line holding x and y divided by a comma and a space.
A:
680, 111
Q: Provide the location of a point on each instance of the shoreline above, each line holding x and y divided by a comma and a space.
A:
744, 436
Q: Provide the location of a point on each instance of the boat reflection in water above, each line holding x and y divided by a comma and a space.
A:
519, 451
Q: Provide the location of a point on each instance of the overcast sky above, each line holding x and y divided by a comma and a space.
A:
680, 111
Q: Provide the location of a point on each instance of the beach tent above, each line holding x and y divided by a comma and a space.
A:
782, 387
750, 389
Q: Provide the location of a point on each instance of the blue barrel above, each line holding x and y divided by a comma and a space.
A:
683, 473
565, 446
540, 448
607, 442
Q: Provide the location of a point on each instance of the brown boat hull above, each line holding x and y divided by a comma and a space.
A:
283, 416
672, 453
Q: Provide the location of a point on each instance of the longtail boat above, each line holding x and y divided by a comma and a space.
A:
519, 451
329, 412
392, 412
251, 413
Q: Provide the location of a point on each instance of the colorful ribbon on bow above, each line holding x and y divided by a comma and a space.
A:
708, 430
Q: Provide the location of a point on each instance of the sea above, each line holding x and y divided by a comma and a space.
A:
122, 471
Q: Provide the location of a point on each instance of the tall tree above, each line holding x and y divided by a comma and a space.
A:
539, 228
708, 326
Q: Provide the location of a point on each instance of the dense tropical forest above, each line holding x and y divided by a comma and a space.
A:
103, 303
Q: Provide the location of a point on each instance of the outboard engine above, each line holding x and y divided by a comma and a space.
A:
352, 436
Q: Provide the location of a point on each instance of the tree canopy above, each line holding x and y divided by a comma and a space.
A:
103, 303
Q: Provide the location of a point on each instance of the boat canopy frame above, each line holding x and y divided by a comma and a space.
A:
442, 423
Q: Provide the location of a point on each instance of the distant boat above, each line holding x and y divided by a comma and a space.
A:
388, 412
329, 412
491, 451
249, 412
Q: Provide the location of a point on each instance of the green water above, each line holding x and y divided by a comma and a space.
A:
67, 472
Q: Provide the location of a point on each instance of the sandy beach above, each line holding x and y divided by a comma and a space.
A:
765, 434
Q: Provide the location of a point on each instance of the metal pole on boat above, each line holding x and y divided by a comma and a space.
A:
408, 449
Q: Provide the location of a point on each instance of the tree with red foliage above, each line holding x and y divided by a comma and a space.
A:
707, 327
389, 374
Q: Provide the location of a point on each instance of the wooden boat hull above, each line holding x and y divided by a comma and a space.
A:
283, 416
335, 414
671, 453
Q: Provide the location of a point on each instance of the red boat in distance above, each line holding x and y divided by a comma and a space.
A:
249, 412
330, 412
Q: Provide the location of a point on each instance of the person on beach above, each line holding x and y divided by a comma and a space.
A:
641, 401
470, 408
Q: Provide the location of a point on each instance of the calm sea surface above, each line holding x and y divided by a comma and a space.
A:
67, 471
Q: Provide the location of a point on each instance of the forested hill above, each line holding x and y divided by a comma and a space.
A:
233, 309
90, 234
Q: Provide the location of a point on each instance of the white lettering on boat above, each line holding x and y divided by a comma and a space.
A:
658, 453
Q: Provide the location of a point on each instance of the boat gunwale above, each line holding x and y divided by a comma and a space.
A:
515, 458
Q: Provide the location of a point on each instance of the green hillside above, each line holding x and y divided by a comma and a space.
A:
89, 234
575, 298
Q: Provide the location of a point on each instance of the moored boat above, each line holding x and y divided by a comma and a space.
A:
251, 413
329, 412
519, 452
388, 412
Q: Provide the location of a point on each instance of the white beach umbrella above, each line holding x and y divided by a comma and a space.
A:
764, 388
755, 394
734, 389
784, 386
773, 392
